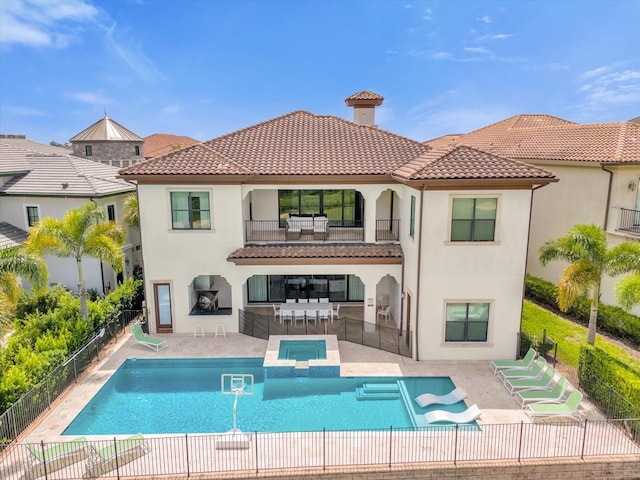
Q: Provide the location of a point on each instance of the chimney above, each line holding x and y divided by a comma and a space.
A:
364, 104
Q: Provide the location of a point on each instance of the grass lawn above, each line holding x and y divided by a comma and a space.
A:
569, 336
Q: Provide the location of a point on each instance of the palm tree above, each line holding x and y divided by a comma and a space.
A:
16, 262
585, 248
628, 291
82, 232
131, 216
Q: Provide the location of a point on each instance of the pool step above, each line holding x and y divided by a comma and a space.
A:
378, 391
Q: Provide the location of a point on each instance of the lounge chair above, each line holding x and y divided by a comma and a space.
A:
524, 362
545, 382
548, 396
552, 410
115, 455
54, 457
450, 398
468, 416
142, 338
536, 371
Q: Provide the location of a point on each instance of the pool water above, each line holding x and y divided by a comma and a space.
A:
302, 350
163, 396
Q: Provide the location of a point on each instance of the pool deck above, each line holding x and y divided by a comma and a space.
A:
475, 377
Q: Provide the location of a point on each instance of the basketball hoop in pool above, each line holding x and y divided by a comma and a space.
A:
238, 384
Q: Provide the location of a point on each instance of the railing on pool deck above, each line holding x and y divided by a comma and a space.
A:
372, 335
253, 453
38, 400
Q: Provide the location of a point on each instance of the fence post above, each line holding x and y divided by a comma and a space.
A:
455, 445
520, 441
555, 354
256, 432
584, 439
186, 449
115, 449
324, 449
609, 402
44, 459
390, 443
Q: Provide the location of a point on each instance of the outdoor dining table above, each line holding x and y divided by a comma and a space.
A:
298, 307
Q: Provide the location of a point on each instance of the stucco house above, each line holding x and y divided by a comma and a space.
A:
307, 206
598, 166
37, 181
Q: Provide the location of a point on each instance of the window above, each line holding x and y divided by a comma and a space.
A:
33, 215
343, 208
88, 150
473, 219
277, 288
467, 322
190, 211
138, 150
412, 218
111, 213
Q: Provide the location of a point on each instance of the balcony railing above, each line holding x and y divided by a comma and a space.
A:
387, 230
629, 221
260, 231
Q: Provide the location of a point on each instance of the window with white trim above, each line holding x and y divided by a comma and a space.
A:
190, 211
467, 322
473, 219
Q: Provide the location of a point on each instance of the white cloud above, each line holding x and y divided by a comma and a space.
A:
48, 23
495, 36
604, 87
171, 109
92, 98
130, 52
477, 50
21, 111
485, 19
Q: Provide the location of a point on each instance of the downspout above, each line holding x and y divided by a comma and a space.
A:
526, 258
417, 322
91, 199
606, 212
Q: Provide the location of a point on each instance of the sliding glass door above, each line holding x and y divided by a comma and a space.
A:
343, 208
278, 288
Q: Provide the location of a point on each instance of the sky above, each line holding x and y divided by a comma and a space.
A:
204, 68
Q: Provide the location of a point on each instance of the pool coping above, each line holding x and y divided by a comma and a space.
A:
328, 367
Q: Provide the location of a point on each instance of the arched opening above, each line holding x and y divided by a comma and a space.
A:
210, 295
388, 300
388, 216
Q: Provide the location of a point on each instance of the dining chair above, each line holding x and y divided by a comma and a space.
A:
298, 315
324, 315
336, 313
313, 300
276, 311
385, 313
324, 299
291, 300
312, 314
286, 315
302, 300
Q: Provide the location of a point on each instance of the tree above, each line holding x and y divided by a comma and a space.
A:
628, 291
16, 262
82, 232
131, 216
585, 248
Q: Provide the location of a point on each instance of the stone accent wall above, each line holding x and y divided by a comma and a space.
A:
114, 153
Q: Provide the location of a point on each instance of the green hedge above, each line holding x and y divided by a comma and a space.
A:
599, 372
612, 320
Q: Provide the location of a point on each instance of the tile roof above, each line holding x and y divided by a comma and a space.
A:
11, 236
365, 95
467, 163
298, 143
163, 143
543, 137
106, 129
57, 175
358, 253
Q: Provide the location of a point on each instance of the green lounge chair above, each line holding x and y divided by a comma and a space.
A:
114, 455
548, 396
553, 410
142, 338
55, 457
536, 371
545, 382
524, 362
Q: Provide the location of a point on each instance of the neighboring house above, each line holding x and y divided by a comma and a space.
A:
598, 166
108, 142
162, 143
39, 181
314, 206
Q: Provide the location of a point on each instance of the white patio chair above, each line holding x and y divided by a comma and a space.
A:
303, 300
312, 314
291, 300
336, 313
313, 300
298, 315
286, 315
324, 299
276, 312
324, 315
385, 313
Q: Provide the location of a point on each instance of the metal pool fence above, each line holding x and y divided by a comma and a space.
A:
38, 400
186, 455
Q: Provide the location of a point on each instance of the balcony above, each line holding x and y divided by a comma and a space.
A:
272, 231
629, 221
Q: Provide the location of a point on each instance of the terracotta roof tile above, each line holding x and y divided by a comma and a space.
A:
371, 251
298, 143
467, 163
163, 143
364, 95
543, 137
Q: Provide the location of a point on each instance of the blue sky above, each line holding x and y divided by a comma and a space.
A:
205, 68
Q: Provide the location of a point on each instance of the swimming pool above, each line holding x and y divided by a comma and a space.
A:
302, 350
164, 396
